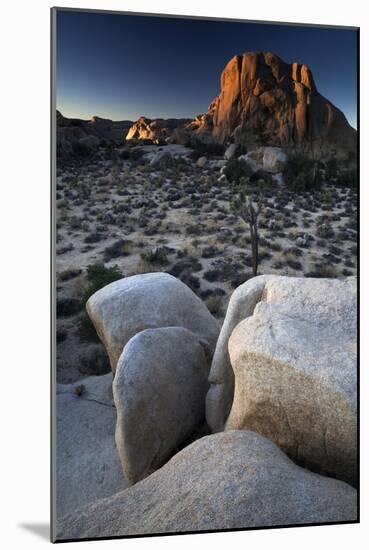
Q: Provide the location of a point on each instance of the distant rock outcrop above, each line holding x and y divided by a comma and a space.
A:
156, 130
78, 137
265, 101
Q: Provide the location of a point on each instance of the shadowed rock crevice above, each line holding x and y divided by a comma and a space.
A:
220, 395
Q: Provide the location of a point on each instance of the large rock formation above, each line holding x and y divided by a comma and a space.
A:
293, 361
152, 300
265, 101
87, 460
230, 480
159, 391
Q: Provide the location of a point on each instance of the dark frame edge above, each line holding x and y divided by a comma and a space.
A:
358, 264
53, 13
204, 18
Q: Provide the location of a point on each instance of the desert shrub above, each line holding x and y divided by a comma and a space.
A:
93, 238
294, 264
213, 303
235, 169
65, 307
349, 263
331, 169
142, 266
63, 204
191, 281
79, 390
263, 178
193, 230
333, 249
119, 248
75, 222
86, 330
99, 276
64, 249
302, 173
210, 251
124, 154
299, 184
217, 291
213, 275
348, 178
323, 271
188, 264
94, 360
324, 231
68, 274
276, 247
238, 279
201, 149
157, 256
151, 230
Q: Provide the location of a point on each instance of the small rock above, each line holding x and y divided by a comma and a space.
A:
201, 161
162, 160
230, 152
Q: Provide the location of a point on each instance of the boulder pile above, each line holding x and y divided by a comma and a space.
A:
277, 387
285, 367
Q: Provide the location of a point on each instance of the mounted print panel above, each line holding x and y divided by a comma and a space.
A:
205, 189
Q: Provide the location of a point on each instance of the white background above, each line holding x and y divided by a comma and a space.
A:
24, 287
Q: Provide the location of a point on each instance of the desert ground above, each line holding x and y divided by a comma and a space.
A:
115, 209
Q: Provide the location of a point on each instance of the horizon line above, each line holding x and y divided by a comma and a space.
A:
133, 120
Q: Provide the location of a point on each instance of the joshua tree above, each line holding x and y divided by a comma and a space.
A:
248, 207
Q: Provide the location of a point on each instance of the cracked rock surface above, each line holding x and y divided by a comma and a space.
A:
87, 461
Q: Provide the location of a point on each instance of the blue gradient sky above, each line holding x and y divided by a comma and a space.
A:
123, 66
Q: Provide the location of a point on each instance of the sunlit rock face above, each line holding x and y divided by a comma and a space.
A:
154, 130
265, 101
